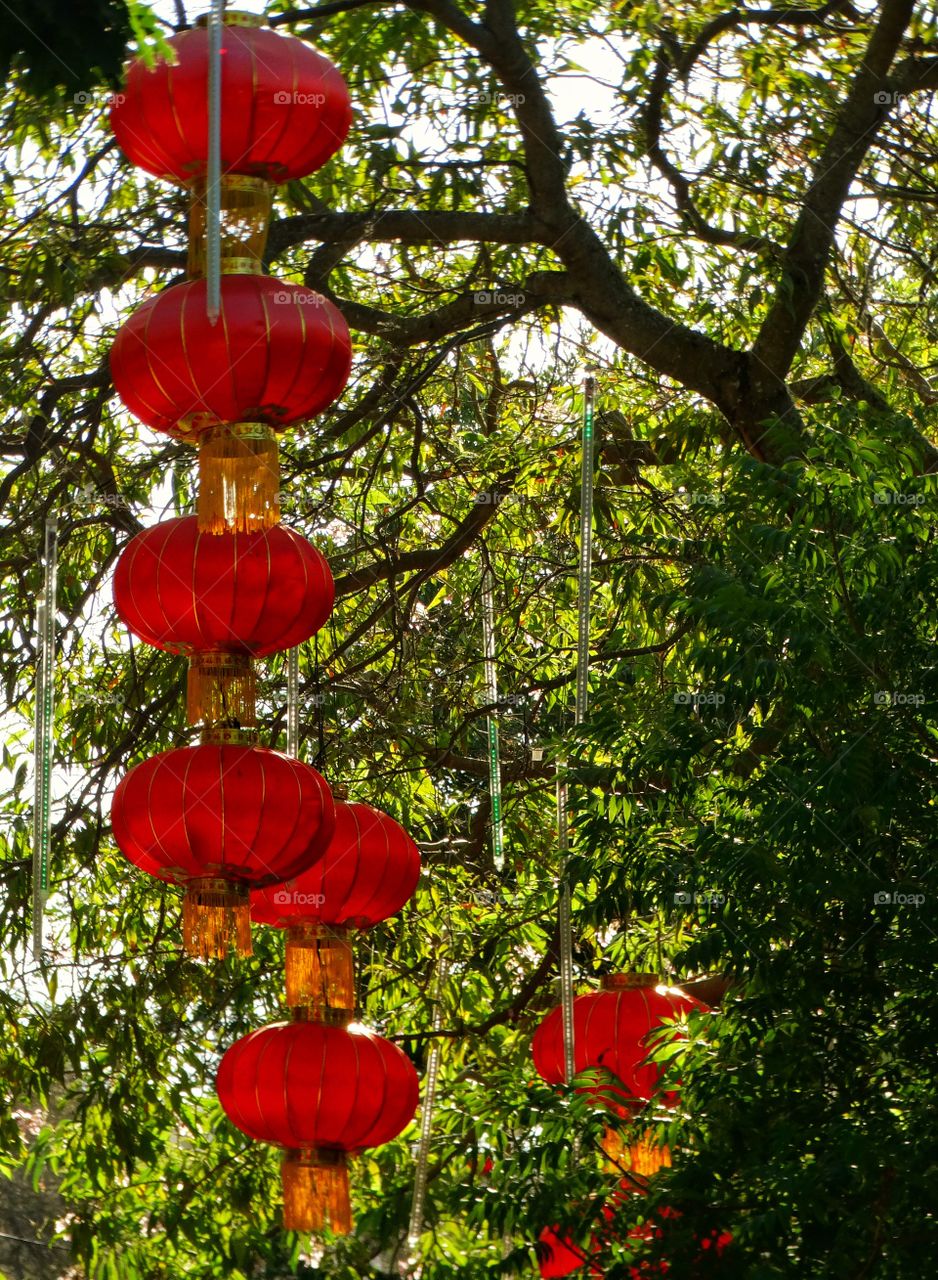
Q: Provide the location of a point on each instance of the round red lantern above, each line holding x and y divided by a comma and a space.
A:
322, 1092
557, 1255
611, 1032
222, 599
367, 873
221, 818
278, 354
285, 108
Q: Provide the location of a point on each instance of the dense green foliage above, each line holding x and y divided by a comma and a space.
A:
731, 225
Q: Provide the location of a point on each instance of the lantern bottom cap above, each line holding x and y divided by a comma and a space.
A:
316, 1191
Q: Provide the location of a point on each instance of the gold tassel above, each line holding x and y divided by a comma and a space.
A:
216, 917
320, 971
643, 1158
245, 219
222, 690
315, 1191
239, 478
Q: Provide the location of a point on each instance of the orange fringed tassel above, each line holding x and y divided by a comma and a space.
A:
643, 1158
222, 689
239, 479
216, 918
315, 1191
320, 971
245, 219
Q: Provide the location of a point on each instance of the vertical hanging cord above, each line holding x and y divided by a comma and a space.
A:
293, 702
565, 922
491, 683
415, 1226
42, 748
213, 167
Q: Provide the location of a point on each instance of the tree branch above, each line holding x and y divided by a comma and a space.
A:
806, 256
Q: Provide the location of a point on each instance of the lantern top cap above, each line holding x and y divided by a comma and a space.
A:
225, 736
626, 981
235, 18
327, 1017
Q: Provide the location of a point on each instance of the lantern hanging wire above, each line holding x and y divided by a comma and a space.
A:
494, 749
582, 701
213, 167
418, 1203
293, 702
43, 735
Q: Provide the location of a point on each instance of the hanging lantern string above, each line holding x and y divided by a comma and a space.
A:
43, 737
582, 700
494, 750
418, 1203
213, 167
293, 702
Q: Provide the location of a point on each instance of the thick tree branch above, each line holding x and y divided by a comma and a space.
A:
865, 109
540, 289
404, 226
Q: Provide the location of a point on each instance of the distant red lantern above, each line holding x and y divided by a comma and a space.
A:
323, 1093
279, 354
222, 599
285, 108
611, 1032
367, 873
558, 1255
612, 1029
220, 819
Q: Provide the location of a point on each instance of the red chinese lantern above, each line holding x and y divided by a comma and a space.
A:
323, 1093
222, 599
557, 1255
285, 108
221, 818
279, 353
611, 1030
367, 873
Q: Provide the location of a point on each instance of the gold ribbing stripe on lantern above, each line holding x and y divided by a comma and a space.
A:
315, 1191
216, 919
245, 218
320, 971
643, 1157
239, 478
222, 689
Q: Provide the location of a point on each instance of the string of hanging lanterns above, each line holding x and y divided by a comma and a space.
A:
227, 365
